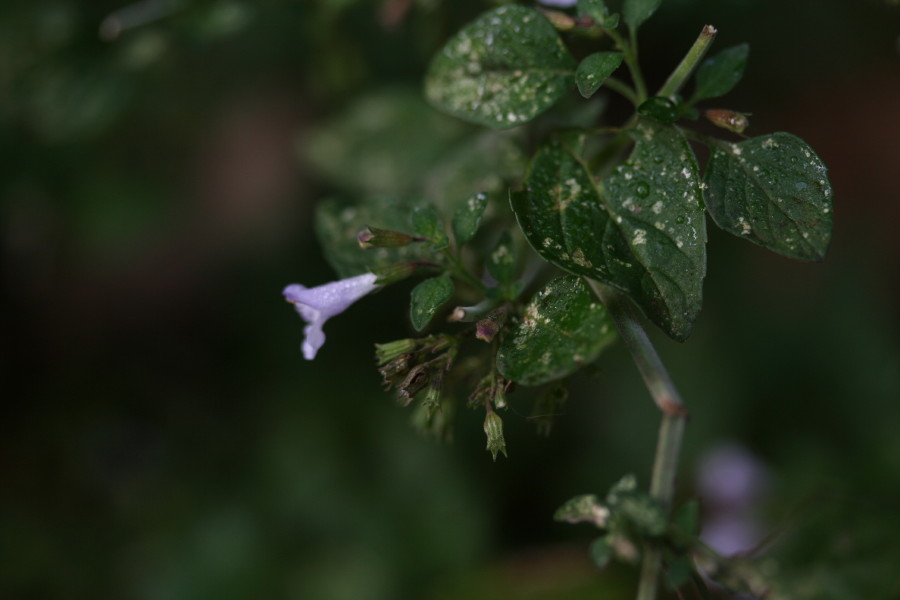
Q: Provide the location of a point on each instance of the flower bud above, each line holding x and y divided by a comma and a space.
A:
493, 429
375, 237
393, 273
385, 353
500, 389
489, 327
395, 369
413, 384
561, 21
433, 395
728, 119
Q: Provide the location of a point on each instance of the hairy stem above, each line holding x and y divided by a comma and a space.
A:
687, 65
667, 398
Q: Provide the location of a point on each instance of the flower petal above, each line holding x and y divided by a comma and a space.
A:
317, 305
314, 340
332, 298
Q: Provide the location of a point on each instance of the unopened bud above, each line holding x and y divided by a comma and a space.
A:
560, 20
493, 429
394, 273
385, 353
728, 119
500, 389
375, 237
433, 395
393, 370
489, 327
413, 384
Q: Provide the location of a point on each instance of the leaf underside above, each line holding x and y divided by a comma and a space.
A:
774, 191
501, 70
642, 230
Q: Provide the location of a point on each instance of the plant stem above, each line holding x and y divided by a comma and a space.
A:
667, 398
687, 65
460, 269
622, 88
629, 50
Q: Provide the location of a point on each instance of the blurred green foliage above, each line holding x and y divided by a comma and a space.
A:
163, 437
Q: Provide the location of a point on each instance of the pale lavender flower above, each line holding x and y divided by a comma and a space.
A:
732, 483
559, 3
317, 305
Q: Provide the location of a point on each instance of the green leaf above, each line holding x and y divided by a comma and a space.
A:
601, 552
687, 519
679, 571
660, 109
719, 74
427, 298
635, 12
625, 486
585, 508
468, 218
563, 329
382, 143
338, 223
502, 262
642, 230
501, 70
774, 191
483, 163
644, 513
426, 223
594, 69
597, 10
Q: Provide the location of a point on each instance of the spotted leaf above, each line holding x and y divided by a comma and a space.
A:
774, 191
641, 230
564, 327
501, 70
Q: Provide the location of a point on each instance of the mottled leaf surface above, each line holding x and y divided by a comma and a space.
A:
594, 69
426, 222
641, 230
338, 223
772, 190
427, 298
467, 218
501, 70
719, 74
563, 329
381, 143
501, 263
485, 162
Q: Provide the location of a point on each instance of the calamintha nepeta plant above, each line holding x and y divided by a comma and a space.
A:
619, 210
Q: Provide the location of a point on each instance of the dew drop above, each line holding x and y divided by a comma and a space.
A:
679, 219
642, 189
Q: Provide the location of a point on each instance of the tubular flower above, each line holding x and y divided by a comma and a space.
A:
317, 305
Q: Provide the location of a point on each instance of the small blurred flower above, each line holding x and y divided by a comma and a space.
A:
559, 3
317, 305
730, 478
732, 482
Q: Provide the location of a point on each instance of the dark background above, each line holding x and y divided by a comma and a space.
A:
163, 437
